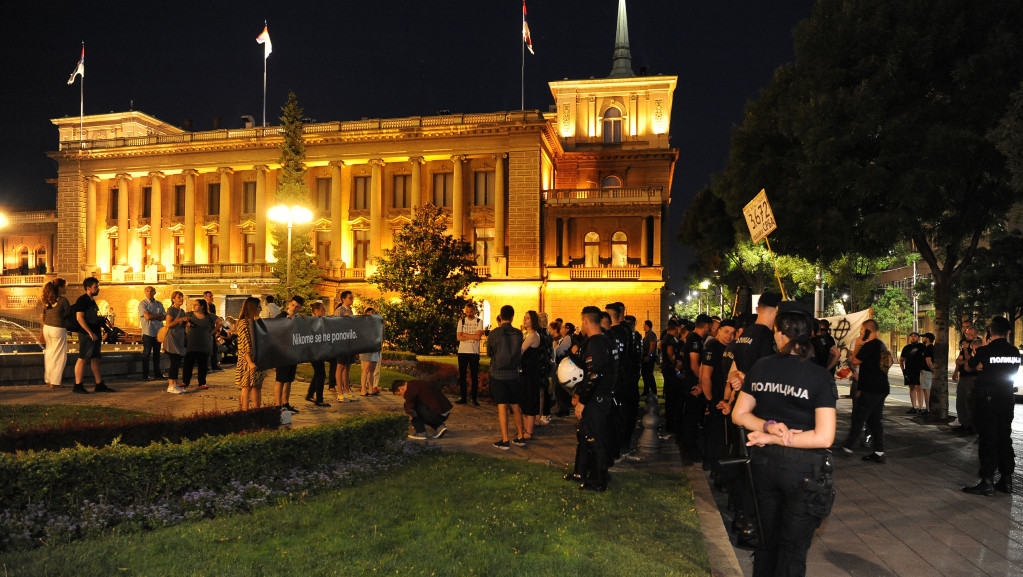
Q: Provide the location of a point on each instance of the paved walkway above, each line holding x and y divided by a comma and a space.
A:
906, 518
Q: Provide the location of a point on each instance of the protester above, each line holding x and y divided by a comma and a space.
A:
174, 341
425, 404
286, 375
964, 422
217, 323
89, 341
504, 347
531, 372
469, 334
911, 361
315, 393
370, 377
343, 363
271, 311
151, 317
247, 377
53, 333
564, 345
198, 341
873, 389
927, 373
787, 404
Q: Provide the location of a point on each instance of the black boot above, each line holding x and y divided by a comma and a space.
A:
984, 487
80, 389
1004, 484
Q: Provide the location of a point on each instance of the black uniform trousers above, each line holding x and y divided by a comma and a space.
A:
672, 401
993, 412
649, 382
592, 451
628, 398
784, 514
690, 417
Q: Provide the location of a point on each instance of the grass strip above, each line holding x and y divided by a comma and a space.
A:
448, 514
32, 416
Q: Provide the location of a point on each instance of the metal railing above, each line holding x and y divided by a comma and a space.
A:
222, 270
611, 272
629, 194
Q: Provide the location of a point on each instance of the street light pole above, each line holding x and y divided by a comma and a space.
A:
291, 215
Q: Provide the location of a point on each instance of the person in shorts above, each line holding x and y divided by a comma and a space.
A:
90, 340
504, 347
926, 374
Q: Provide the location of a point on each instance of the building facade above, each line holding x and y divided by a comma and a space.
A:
565, 208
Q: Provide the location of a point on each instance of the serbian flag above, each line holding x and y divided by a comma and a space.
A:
525, 30
264, 39
80, 69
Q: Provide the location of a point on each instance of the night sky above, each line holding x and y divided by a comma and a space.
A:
348, 60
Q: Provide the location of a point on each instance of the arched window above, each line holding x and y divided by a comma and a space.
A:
611, 181
41, 267
619, 249
23, 260
591, 249
612, 125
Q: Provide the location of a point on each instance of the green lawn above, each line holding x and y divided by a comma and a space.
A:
448, 514
28, 416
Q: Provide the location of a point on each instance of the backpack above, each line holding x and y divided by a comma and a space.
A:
70, 321
546, 353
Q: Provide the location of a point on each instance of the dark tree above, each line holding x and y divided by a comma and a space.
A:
881, 133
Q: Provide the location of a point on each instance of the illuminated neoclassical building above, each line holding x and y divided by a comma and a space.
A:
565, 208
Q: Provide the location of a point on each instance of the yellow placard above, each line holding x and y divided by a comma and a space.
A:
759, 217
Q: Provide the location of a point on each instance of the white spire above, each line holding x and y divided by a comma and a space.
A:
622, 66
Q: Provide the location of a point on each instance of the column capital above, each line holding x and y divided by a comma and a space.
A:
225, 170
499, 155
91, 178
125, 176
458, 157
156, 174
190, 172
376, 162
260, 168
337, 163
415, 159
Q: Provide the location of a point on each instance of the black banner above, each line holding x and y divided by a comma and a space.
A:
282, 342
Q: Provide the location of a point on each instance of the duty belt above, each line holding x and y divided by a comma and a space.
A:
804, 456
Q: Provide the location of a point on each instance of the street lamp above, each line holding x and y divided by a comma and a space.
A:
291, 215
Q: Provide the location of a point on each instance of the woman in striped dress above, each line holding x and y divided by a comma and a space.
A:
247, 377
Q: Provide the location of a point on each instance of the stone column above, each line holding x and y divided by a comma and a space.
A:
417, 181
657, 241
335, 212
260, 212
565, 257
376, 217
122, 218
458, 199
156, 215
347, 243
224, 226
644, 243
190, 175
90, 224
500, 201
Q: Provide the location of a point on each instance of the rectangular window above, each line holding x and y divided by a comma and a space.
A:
113, 252
442, 187
323, 194
402, 190
147, 201
322, 248
361, 248
179, 249
112, 202
213, 249
484, 189
147, 257
213, 198
360, 193
484, 246
179, 200
249, 201
250, 247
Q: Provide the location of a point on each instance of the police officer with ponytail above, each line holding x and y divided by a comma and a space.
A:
787, 403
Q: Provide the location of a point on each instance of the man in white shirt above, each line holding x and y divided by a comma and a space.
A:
151, 316
470, 333
271, 310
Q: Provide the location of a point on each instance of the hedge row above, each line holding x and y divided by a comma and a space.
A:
121, 475
138, 432
397, 356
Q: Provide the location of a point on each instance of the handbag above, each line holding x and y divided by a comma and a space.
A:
161, 335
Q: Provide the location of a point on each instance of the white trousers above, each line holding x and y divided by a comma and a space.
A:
56, 354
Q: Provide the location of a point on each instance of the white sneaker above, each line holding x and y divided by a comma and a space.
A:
440, 432
176, 390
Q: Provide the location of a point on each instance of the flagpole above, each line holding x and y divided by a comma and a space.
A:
522, 84
81, 106
264, 80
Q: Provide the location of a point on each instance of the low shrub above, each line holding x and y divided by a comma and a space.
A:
397, 356
121, 475
136, 431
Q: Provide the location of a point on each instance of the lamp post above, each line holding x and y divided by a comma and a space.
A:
3, 246
291, 215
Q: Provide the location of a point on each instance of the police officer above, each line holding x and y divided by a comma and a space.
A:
993, 407
593, 404
787, 404
693, 405
670, 348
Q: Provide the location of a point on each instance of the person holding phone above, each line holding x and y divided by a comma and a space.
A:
873, 389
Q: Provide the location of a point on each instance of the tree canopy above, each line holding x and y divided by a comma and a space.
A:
431, 272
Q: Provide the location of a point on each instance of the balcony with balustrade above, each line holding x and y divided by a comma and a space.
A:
644, 195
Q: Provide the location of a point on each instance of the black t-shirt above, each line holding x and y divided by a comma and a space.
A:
668, 361
871, 378
713, 355
914, 355
822, 345
927, 354
598, 366
87, 305
789, 390
756, 342
999, 363
694, 346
